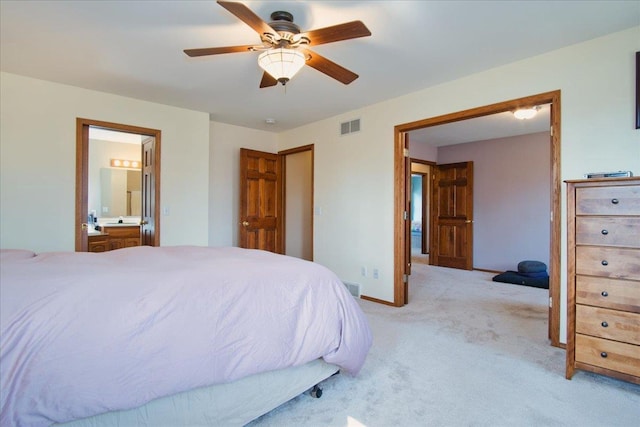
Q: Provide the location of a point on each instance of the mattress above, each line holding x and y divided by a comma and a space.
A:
233, 404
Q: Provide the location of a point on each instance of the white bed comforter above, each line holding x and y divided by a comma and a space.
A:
84, 333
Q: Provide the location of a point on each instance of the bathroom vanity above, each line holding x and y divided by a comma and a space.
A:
114, 237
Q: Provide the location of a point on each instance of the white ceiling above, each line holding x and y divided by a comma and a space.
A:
135, 49
494, 126
114, 136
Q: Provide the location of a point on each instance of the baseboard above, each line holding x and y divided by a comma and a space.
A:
488, 271
379, 301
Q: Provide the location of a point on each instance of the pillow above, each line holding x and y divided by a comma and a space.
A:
538, 274
518, 279
531, 267
14, 254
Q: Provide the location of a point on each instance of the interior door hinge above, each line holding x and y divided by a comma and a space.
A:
405, 215
550, 302
405, 278
406, 152
551, 131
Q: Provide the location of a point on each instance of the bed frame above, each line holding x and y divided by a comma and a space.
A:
231, 404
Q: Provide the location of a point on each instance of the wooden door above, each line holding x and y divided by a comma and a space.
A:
407, 217
149, 185
260, 196
452, 216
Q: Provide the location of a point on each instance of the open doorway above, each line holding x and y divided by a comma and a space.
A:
276, 201
142, 197
297, 199
402, 194
420, 207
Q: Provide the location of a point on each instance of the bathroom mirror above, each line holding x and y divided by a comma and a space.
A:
114, 178
120, 192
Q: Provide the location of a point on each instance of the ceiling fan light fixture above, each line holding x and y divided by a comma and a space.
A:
526, 113
281, 63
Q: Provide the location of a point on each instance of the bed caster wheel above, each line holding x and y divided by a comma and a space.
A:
316, 392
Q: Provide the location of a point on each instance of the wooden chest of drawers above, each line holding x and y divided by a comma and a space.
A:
603, 277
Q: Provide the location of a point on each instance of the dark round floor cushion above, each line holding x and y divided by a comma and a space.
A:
520, 279
531, 267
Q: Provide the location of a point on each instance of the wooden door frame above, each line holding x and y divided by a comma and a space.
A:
400, 193
282, 186
82, 173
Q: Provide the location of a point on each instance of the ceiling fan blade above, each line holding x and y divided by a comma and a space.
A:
330, 68
245, 14
218, 50
267, 80
346, 31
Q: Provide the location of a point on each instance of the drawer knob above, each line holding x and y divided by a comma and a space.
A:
615, 201
604, 294
605, 262
604, 324
605, 232
603, 354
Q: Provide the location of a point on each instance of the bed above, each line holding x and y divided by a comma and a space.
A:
169, 336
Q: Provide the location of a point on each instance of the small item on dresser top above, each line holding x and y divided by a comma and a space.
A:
618, 174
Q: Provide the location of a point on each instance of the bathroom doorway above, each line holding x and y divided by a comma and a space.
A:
145, 198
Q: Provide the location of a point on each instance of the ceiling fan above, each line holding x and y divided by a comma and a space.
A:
285, 49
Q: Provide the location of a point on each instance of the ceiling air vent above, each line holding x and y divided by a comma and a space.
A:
350, 127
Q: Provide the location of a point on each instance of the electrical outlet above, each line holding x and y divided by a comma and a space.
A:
376, 273
363, 271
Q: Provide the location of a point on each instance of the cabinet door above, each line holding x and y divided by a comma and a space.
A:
99, 246
130, 242
116, 243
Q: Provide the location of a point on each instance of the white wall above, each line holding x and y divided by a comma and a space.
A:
224, 169
354, 181
353, 198
38, 153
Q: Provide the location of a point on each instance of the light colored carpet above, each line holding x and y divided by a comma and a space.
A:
466, 351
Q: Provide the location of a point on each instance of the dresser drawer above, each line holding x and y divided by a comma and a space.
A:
608, 262
610, 324
613, 200
608, 231
123, 232
607, 354
611, 293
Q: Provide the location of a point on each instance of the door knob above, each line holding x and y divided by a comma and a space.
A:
245, 223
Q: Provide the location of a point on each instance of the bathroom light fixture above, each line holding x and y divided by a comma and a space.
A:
125, 164
282, 64
526, 113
